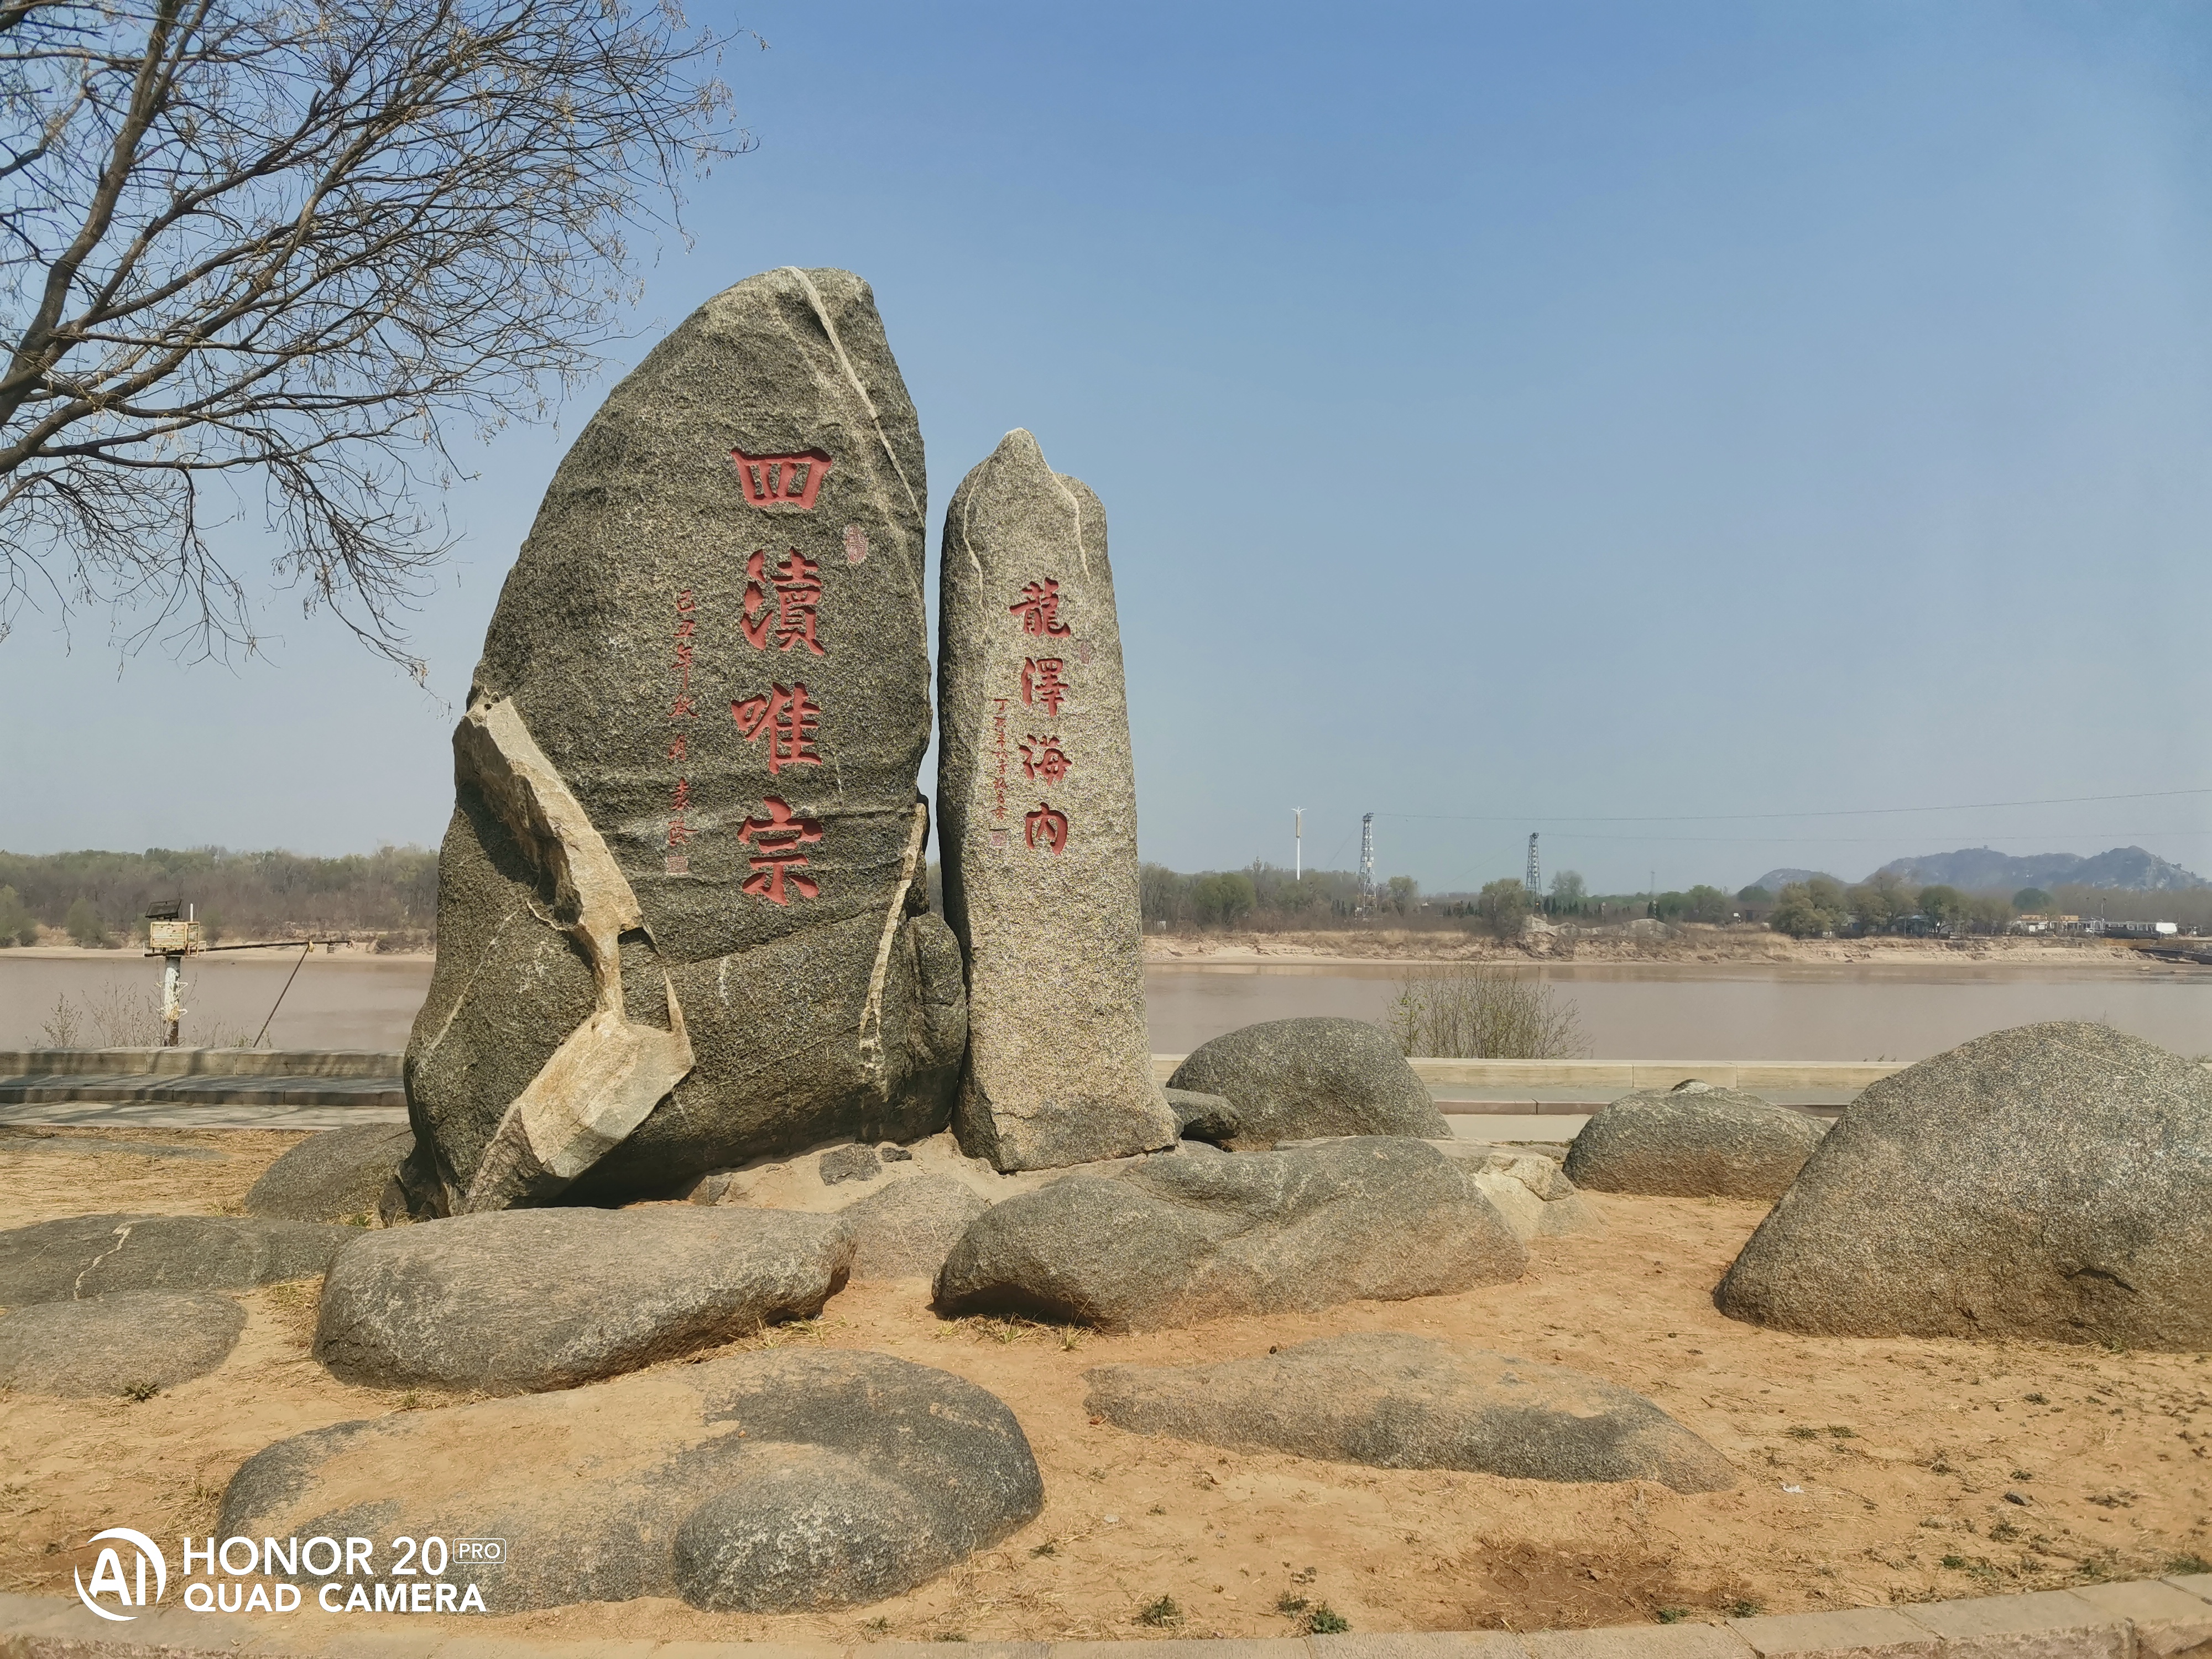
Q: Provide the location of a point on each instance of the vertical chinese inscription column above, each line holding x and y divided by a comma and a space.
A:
1036, 793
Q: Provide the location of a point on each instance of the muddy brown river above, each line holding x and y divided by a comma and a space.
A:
1646, 1011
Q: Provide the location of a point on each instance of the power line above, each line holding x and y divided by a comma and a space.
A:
1832, 812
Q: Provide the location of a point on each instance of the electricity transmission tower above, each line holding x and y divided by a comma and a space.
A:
1534, 881
1367, 862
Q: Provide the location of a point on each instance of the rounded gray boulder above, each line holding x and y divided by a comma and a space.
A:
1175, 1239
515, 1300
1411, 1402
1693, 1141
906, 1229
1300, 1079
333, 1177
141, 1340
771, 1482
2052, 1182
80, 1257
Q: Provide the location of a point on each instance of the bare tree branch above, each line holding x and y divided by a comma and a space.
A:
295, 242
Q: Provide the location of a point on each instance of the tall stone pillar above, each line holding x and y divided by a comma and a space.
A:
1038, 829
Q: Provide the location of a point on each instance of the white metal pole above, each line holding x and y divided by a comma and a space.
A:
1298, 843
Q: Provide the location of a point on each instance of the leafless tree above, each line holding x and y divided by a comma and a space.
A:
287, 249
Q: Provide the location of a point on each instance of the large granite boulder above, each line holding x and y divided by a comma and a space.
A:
336, 1175
771, 1482
1693, 1141
80, 1256
1038, 793
682, 918
2050, 1182
1174, 1240
1294, 1079
1411, 1402
511, 1301
135, 1343
907, 1229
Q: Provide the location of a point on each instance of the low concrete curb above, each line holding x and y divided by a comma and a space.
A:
2150, 1618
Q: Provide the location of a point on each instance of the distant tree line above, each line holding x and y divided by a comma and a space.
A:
100, 898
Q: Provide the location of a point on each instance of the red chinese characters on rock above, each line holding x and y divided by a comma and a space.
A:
1043, 757
1039, 609
781, 480
788, 717
1043, 682
1047, 827
776, 839
787, 619
676, 862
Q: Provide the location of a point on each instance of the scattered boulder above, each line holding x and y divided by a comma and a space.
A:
1293, 1079
1409, 1402
333, 1177
771, 1482
906, 1229
856, 1163
1200, 1116
515, 1300
1173, 1240
81, 1256
134, 1343
2050, 1181
1693, 1141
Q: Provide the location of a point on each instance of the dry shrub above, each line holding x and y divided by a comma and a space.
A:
1465, 1011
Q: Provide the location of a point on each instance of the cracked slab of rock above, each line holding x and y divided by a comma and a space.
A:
519, 1300
771, 1482
1038, 790
1410, 1402
333, 1177
116, 1344
682, 915
1693, 1141
1297, 1079
75, 1257
2050, 1182
1176, 1239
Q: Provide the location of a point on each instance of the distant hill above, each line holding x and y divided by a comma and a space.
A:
2130, 869
1774, 880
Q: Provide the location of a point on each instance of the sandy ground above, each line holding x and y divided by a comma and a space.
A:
1872, 1471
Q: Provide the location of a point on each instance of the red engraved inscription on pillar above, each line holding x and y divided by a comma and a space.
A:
788, 481
1042, 682
1047, 827
788, 717
1039, 609
1043, 757
787, 619
777, 838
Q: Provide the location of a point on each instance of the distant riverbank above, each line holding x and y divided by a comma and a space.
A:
1892, 1005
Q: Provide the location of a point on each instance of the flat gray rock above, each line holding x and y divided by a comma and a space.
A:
906, 1229
333, 1177
681, 910
2050, 1181
1408, 1402
516, 1300
1295, 1079
771, 1482
87, 1256
116, 1344
1038, 791
1176, 1239
849, 1164
1690, 1142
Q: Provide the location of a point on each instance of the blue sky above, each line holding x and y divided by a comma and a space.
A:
1510, 417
